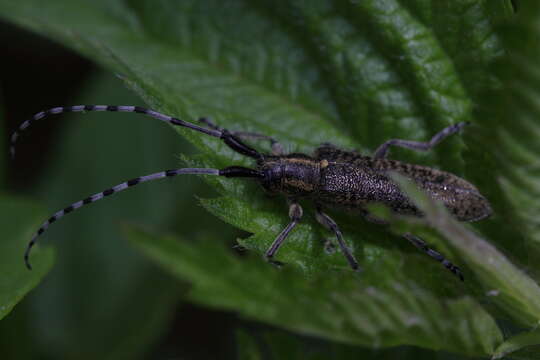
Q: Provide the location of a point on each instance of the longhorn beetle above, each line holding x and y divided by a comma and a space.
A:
331, 177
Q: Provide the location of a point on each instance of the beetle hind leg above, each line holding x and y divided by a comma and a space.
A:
421, 245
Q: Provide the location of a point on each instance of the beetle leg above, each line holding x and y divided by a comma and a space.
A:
420, 244
373, 219
331, 225
416, 145
277, 148
295, 214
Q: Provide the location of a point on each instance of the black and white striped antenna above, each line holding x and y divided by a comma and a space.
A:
229, 139
114, 108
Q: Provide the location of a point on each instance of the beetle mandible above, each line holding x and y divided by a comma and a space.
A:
331, 177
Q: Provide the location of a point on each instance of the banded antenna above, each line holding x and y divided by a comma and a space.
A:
229, 139
232, 141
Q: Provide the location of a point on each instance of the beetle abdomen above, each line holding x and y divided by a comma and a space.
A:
464, 204
459, 196
352, 187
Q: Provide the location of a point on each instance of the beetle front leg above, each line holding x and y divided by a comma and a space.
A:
277, 148
416, 145
331, 225
420, 244
295, 214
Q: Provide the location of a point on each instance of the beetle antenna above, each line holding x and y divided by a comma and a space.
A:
230, 140
231, 171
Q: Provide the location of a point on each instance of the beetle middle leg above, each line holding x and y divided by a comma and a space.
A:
421, 245
331, 225
416, 145
277, 148
295, 214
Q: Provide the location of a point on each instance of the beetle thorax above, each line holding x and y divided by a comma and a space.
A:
292, 175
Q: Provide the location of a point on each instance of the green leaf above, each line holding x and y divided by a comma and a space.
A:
256, 342
511, 288
517, 109
18, 220
333, 307
521, 342
509, 113
505, 149
351, 73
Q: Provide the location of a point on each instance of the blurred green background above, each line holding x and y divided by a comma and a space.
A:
95, 303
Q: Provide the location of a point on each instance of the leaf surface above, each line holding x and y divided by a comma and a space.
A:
18, 220
343, 307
